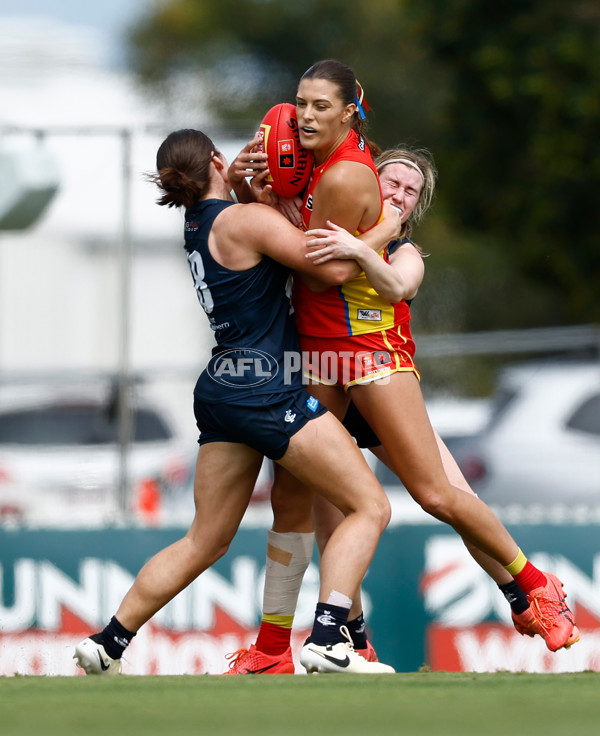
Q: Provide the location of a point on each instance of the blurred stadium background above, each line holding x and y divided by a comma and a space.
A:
101, 340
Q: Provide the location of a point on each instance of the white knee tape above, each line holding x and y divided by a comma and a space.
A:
288, 556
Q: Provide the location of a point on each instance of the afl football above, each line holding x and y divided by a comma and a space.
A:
290, 165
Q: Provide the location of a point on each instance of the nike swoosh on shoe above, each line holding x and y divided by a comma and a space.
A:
334, 660
262, 669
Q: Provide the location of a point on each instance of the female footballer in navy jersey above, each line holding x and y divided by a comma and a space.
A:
240, 256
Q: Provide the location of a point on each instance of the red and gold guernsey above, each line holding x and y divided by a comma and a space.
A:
354, 308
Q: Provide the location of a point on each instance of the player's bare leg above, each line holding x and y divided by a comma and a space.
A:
410, 442
225, 477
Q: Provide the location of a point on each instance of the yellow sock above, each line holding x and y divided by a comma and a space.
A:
278, 620
517, 565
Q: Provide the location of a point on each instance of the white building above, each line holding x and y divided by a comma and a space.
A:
61, 280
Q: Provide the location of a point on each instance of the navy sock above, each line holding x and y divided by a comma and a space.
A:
515, 596
116, 638
358, 632
326, 627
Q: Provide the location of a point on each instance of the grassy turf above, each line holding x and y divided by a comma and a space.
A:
423, 704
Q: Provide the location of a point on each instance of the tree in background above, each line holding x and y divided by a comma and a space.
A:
504, 94
249, 55
519, 139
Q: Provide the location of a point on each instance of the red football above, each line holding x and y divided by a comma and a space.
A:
290, 164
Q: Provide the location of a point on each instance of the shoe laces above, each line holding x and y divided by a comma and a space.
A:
548, 611
237, 657
346, 634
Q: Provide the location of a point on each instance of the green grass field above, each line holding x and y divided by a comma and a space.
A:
426, 704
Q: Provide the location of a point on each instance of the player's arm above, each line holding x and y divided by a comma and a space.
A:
340, 270
409, 267
348, 194
290, 207
248, 163
399, 279
250, 231
252, 163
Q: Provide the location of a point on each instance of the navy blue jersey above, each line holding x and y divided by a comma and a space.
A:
395, 244
392, 247
250, 313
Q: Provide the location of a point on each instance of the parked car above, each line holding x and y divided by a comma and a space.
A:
456, 419
60, 457
542, 442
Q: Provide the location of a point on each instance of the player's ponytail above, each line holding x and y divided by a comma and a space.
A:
183, 166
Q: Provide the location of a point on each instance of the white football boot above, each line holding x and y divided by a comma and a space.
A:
340, 657
92, 657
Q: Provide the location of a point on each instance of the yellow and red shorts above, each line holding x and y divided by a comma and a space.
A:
354, 359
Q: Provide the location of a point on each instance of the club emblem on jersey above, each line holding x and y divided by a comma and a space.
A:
289, 417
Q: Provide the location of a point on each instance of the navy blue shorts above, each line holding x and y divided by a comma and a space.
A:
359, 428
266, 428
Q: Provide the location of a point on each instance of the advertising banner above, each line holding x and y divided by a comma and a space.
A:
428, 604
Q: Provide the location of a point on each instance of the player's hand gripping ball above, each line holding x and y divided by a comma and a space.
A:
290, 165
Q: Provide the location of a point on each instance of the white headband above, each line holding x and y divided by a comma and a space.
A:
406, 161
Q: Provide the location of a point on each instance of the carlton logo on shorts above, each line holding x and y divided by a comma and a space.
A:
242, 368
